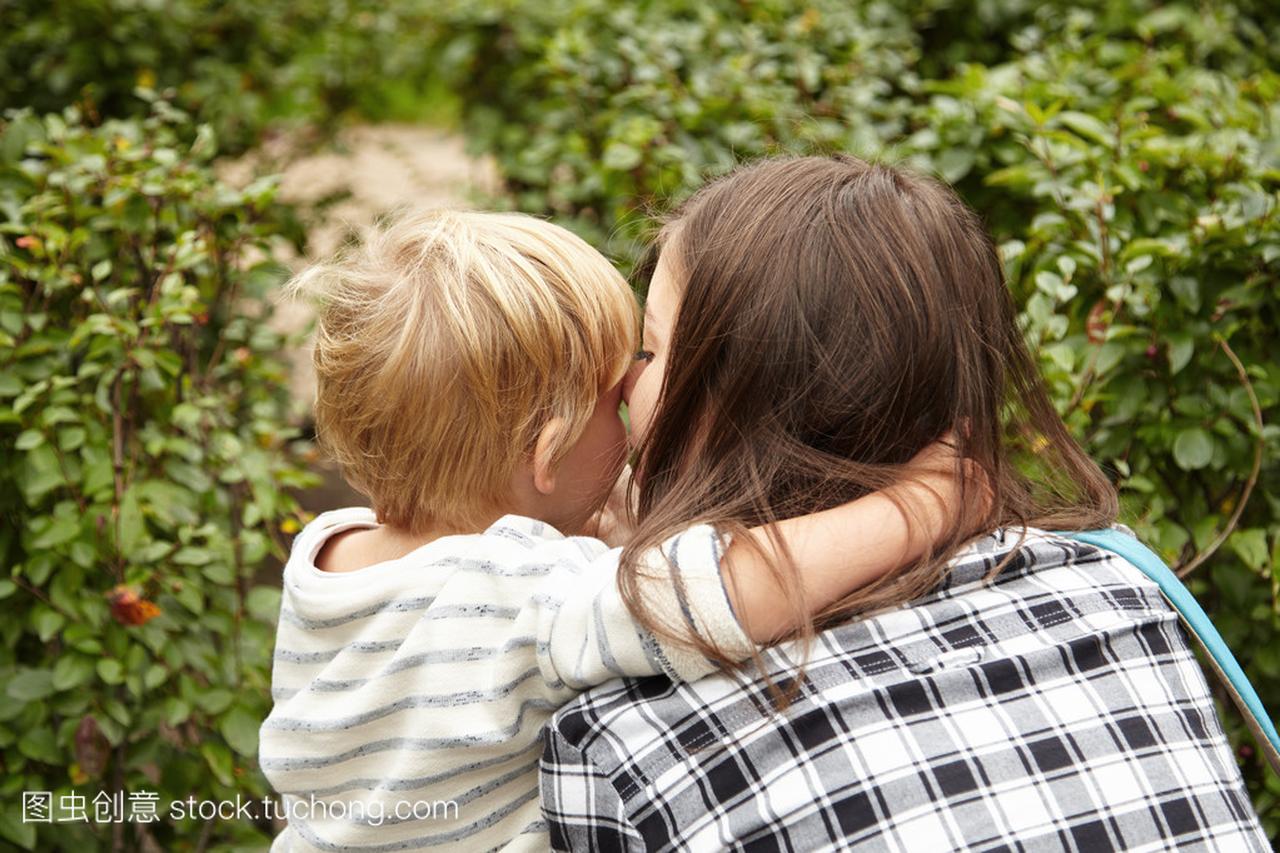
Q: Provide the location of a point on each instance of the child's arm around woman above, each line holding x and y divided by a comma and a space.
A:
724, 595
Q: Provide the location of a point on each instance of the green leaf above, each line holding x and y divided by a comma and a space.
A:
29, 440
620, 157
133, 528
176, 711
1251, 546
30, 685
154, 676
1087, 126
214, 701
1181, 347
954, 163
71, 670
240, 728
263, 603
1110, 354
110, 671
221, 574
218, 757
1204, 530
118, 712
71, 438
60, 531
1238, 585
40, 745
47, 623
191, 598
192, 556
13, 829
1192, 449
1063, 355
88, 645
1187, 291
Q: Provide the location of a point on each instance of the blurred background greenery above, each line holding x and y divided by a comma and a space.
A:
1124, 153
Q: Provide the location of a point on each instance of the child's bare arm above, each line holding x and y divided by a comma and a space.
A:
841, 549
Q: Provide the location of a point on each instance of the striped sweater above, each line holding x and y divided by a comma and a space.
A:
410, 695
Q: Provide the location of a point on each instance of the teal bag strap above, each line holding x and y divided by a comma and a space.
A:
1197, 623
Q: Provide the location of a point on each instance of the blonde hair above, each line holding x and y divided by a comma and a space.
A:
446, 342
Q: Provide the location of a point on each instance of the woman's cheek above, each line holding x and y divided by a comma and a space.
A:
641, 401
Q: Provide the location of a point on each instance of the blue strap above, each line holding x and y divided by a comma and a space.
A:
1197, 621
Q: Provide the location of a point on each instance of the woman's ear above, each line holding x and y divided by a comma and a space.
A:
544, 474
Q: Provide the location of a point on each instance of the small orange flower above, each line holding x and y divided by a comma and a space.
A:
129, 608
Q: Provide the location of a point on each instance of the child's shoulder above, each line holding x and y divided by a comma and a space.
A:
331, 523
514, 535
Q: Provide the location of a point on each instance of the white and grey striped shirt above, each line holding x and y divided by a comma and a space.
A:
410, 695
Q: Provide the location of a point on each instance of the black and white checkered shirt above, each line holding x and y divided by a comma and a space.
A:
1057, 707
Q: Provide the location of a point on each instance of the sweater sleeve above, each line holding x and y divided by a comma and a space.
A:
586, 635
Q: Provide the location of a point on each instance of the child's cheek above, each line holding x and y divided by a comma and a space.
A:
617, 443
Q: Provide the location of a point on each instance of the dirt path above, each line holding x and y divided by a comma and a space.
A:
384, 167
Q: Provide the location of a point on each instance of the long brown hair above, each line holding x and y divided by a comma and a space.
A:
836, 317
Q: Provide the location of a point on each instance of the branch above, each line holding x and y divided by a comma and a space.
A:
31, 588
1195, 561
117, 468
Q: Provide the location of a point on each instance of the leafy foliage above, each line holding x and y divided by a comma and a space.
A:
599, 111
240, 65
1126, 156
1124, 153
147, 470
1136, 195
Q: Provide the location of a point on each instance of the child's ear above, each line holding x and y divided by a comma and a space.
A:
544, 474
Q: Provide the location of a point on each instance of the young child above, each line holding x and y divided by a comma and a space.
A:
469, 369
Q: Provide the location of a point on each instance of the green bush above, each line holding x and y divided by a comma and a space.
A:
1136, 197
1236, 37
598, 111
146, 474
1125, 154
240, 65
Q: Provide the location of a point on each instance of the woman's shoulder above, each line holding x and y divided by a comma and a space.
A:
1023, 558
996, 699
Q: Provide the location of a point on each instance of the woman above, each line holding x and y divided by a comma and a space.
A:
1033, 692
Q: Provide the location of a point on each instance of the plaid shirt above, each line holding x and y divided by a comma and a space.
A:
1057, 707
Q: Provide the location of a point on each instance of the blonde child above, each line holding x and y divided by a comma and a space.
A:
469, 370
